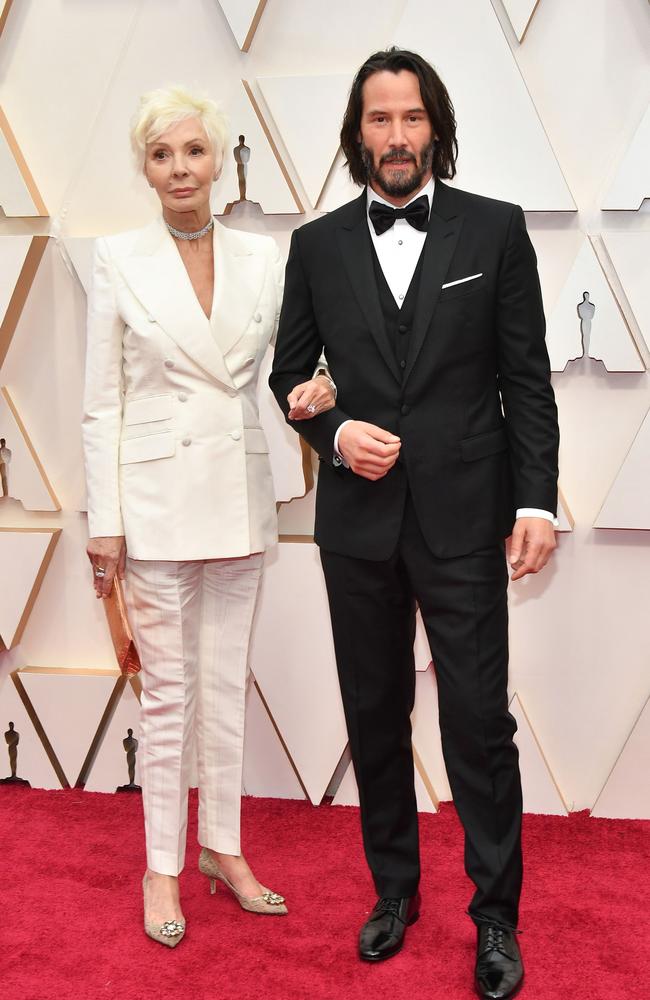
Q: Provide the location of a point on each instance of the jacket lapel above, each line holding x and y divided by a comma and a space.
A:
238, 282
444, 229
157, 277
356, 250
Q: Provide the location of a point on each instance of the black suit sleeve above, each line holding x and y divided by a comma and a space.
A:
524, 373
297, 350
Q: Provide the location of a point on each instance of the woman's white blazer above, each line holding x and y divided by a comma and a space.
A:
176, 459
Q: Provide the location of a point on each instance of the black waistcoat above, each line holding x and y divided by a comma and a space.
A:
398, 322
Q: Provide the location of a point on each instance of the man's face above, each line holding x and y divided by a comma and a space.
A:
396, 134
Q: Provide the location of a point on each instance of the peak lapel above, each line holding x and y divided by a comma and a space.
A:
442, 236
156, 275
238, 281
356, 250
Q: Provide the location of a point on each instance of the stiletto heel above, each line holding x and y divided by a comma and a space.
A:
170, 933
269, 903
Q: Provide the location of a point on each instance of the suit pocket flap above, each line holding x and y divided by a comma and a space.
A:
482, 445
147, 409
148, 447
255, 441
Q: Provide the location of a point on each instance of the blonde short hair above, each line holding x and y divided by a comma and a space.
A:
160, 109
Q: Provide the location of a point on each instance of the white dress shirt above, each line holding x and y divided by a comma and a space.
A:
398, 251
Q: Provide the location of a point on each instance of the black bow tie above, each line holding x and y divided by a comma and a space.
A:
416, 214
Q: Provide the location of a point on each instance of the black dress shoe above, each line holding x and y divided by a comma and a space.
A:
499, 969
382, 935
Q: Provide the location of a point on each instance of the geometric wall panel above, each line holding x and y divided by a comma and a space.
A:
630, 257
298, 679
19, 196
243, 17
540, 790
307, 112
626, 793
108, 769
564, 515
25, 554
5, 6
79, 251
267, 768
520, 13
267, 182
34, 764
628, 502
69, 706
19, 260
23, 476
491, 101
591, 327
631, 184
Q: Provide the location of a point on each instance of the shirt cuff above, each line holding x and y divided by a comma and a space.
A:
338, 457
531, 512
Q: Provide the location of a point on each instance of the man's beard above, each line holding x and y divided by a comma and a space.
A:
401, 184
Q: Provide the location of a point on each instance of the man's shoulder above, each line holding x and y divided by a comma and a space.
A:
345, 215
478, 204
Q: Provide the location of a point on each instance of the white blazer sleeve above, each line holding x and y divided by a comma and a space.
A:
102, 420
278, 272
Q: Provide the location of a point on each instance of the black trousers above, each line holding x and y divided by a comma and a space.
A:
464, 609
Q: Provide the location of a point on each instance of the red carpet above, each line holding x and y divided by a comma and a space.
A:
71, 918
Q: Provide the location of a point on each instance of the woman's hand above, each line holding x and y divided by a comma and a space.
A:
309, 399
108, 555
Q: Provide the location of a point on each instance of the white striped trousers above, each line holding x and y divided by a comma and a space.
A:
191, 624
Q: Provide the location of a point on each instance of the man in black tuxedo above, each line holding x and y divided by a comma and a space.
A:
427, 303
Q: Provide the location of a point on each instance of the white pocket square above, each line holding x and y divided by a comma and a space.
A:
459, 281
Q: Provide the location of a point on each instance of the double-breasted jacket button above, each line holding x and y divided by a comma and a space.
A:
258, 317
248, 362
232, 392
182, 397
235, 435
406, 409
169, 363
152, 319
186, 442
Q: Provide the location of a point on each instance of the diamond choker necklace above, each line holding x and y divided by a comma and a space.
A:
180, 235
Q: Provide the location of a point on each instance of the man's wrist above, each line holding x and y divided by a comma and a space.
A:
339, 458
537, 512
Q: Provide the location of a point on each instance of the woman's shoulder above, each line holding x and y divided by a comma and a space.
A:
240, 241
130, 240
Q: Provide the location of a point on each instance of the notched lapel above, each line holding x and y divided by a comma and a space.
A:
356, 250
238, 282
439, 247
156, 275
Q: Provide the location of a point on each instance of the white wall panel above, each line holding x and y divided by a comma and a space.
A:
520, 13
632, 181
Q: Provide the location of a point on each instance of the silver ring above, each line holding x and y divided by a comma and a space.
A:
311, 408
99, 571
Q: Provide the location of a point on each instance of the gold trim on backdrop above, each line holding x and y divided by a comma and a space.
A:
619, 755
281, 738
5, 7
98, 738
37, 462
21, 163
271, 141
36, 586
539, 747
40, 732
426, 780
20, 293
253, 28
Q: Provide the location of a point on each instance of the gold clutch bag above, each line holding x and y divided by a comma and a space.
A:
118, 623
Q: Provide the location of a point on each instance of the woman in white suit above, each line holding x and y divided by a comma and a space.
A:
180, 494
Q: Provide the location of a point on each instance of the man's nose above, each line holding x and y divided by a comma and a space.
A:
397, 138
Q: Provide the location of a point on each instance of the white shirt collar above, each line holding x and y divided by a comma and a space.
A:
428, 189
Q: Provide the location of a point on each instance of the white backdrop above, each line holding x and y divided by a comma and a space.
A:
557, 122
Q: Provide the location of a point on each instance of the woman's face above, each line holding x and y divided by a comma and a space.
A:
181, 166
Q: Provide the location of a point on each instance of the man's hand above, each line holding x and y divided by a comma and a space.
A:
369, 450
107, 557
531, 545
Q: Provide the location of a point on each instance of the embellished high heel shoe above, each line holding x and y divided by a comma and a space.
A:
270, 903
170, 933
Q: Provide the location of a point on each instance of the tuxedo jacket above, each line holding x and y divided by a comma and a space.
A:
176, 459
474, 407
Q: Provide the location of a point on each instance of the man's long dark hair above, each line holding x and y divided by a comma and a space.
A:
435, 98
